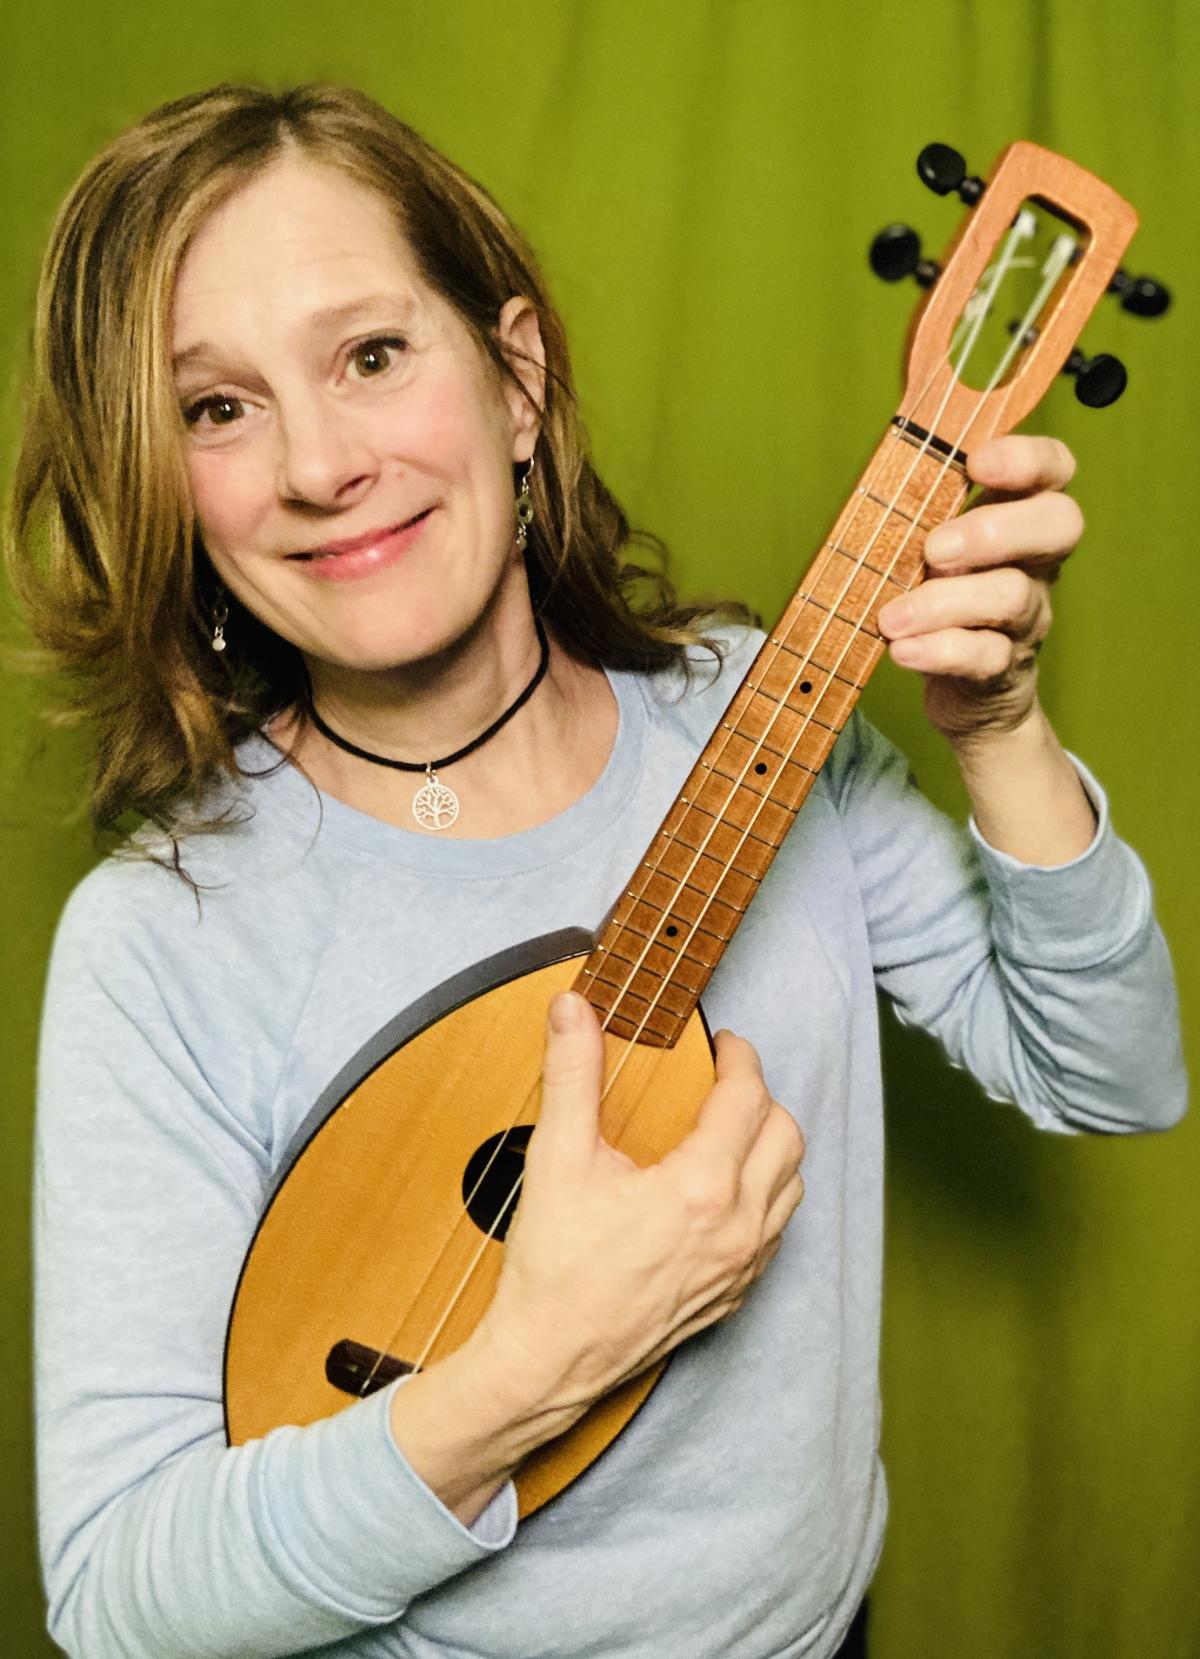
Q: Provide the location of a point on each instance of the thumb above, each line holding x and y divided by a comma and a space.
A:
572, 1077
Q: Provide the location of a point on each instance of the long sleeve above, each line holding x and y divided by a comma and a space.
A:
158, 1540
1052, 986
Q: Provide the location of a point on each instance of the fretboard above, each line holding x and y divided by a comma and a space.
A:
669, 928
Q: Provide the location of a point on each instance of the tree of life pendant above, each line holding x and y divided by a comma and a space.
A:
435, 805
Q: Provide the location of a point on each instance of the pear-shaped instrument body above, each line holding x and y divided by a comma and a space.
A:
378, 1249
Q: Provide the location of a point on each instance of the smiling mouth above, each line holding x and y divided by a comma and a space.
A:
374, 538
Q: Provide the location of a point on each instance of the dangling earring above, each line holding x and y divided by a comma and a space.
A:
524, 508
220, 617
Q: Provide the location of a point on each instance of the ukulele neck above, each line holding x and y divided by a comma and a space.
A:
669, 928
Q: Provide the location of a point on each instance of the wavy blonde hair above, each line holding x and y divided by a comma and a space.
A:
102, 545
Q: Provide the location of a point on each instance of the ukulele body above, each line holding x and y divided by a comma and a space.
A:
373, 1252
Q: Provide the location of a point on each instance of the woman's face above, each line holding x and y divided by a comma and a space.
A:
350, 449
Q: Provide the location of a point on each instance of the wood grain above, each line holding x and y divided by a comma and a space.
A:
367, 1240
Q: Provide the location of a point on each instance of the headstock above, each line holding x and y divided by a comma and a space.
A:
1036, 217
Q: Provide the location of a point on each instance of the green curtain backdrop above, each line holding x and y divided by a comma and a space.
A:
702, 180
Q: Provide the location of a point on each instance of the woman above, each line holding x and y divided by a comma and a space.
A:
303, 448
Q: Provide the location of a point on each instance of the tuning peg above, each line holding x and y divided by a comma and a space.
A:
944, 170
1142, 296
1099, 381
896, 253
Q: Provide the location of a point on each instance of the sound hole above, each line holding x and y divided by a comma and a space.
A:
492, 1175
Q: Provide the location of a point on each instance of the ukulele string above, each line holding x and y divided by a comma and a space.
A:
612, 1078
1052, 270
855, 632
515, 1191
527, 1104
525, 1107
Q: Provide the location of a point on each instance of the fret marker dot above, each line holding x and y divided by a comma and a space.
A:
671, 932
760, 768
806, 686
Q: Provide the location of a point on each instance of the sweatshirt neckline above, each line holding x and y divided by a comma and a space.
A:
288, 792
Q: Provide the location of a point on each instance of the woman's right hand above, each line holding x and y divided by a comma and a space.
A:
609, 1266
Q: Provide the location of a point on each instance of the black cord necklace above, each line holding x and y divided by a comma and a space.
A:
435, 805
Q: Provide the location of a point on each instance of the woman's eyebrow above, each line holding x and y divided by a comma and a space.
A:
320, 321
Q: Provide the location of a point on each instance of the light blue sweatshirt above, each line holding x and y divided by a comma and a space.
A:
741, 1514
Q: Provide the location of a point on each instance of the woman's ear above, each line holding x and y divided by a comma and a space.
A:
521, 342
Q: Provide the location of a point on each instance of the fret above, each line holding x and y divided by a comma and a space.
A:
892, 511
929, 488
770, 716
764, 783
782, 676
839, 586
920, 488
691, 904
719, 924
651, 1035
698, 821
657, 960
728, 888
886, 545
744, 754
765, 827
836, 644
830, 696
659, 1031
745, 811
742, 807
643, 917
859, 624
774, 777
667, 994
782, 645
670, 927
634, 1004
686, 969
724, 848
633, 940
762, 715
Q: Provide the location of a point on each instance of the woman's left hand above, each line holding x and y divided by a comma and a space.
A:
975, 626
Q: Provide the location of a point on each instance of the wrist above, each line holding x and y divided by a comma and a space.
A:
527, 1382
1029, 734
1026, 796
467, 1423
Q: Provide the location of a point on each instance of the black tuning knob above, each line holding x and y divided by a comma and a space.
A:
1141, 295
944, 170
896, 253
1099, 381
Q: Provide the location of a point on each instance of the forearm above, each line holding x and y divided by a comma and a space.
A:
467, 1424
306, 1537
1025, 794
1051, 983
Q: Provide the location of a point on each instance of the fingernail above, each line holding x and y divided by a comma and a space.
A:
895, 616
944, 543
566, 1012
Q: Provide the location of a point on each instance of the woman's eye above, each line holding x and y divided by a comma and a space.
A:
374, 357
221, 411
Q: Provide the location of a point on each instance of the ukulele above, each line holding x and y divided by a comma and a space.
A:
382, 1240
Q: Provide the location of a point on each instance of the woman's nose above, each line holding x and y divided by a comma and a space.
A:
323, 460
